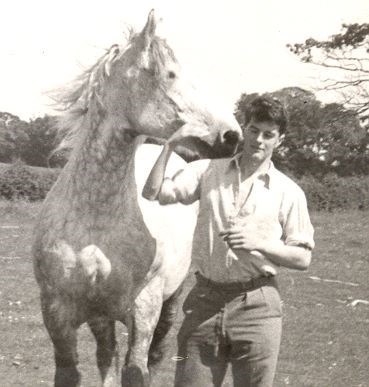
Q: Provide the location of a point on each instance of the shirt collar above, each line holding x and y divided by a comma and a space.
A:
266, 177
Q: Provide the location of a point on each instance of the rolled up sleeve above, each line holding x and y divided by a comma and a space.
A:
297, 227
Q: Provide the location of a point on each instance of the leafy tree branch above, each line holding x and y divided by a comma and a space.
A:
347, 53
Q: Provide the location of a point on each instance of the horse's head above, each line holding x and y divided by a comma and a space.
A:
144, 91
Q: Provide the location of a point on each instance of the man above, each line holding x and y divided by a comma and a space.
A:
252, 219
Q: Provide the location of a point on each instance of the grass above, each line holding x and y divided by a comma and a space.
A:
325, 338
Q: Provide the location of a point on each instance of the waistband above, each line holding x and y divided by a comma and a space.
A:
252, 284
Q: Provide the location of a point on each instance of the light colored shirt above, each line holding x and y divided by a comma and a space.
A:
272, 202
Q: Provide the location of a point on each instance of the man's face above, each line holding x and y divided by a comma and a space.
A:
260, 140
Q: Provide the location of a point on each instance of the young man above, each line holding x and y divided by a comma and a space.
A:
252, 219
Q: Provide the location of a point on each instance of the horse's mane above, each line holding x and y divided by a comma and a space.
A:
74, 100
80, 98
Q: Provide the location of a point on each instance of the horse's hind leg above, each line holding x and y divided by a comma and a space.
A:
106, 353
159, 343
59, 319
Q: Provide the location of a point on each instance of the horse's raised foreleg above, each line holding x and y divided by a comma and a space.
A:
141, 325
60, 321
159, 343
106, 353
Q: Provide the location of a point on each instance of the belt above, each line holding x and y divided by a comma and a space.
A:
252, 284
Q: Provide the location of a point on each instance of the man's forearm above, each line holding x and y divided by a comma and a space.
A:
154, 182
293, 257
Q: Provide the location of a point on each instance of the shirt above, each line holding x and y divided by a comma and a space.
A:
274, 205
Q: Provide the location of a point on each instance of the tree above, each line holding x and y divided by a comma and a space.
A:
345, 53
41, 141
31, 142
13, 137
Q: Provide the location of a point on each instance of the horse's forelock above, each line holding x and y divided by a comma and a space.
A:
160, 52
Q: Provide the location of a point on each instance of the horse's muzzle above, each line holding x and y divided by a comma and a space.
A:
231, 138
229, 145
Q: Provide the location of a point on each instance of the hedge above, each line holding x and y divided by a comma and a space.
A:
336, 193
19, 181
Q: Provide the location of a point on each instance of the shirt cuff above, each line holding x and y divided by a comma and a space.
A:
300, 240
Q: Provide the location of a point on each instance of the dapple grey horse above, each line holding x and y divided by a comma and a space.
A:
101, 252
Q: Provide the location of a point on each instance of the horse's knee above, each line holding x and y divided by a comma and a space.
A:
59, 312
104, 333
63, 332
134, 376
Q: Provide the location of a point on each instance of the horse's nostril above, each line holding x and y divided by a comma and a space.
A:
231, 137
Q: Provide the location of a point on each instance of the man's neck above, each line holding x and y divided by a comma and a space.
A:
251, 167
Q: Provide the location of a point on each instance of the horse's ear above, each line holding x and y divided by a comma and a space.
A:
113, 52
149, 30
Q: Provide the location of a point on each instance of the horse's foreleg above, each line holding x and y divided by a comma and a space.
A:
159, 343
106, 353
59, 319
141, 325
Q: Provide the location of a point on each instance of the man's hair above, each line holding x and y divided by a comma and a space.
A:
267, 108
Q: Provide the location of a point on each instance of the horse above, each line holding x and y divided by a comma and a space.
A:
101, 252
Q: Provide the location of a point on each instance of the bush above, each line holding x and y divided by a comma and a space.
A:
336, 193
18, 181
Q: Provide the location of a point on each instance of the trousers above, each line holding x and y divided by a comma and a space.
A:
229, 326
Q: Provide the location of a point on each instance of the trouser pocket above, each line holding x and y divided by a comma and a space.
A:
272, 300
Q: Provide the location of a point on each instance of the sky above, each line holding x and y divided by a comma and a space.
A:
226, 47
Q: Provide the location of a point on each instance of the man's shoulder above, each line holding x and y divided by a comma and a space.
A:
286, 183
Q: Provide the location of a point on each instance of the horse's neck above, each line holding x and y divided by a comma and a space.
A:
103, 166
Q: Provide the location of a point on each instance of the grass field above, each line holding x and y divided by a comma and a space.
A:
326, 333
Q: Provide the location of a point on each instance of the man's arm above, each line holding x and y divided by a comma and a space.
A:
293, 257
155, 180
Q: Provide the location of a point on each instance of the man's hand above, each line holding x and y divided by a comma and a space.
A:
187, 133
175, 139
240, 238
263, 237
252, 233
154, 182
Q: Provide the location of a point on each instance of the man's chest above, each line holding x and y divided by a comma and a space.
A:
230, 198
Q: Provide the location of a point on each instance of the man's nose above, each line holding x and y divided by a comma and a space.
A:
259, 137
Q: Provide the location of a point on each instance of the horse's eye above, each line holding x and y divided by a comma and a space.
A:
171, 75
149, 71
